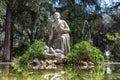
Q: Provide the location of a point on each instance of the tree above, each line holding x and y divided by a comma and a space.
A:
32, 19
8, 34
28, 20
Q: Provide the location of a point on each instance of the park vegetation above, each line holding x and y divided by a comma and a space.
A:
22, 22
84, 51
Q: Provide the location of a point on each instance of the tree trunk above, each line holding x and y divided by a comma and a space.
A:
7, 41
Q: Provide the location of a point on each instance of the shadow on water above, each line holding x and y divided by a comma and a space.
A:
4, 71
103, 72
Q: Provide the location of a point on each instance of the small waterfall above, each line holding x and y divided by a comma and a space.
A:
86, 31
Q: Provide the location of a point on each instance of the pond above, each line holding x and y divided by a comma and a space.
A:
102, 72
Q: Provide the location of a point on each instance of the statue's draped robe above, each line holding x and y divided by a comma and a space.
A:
61, 38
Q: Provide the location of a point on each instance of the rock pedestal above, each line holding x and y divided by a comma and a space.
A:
51, 57
58, 58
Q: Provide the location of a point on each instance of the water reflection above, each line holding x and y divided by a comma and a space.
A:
103, 72
108, 69
55, 76
5, 68
4, 71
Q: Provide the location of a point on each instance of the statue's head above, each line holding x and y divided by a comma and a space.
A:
56, 15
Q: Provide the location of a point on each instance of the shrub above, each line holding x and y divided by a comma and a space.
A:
84, 51
36, 49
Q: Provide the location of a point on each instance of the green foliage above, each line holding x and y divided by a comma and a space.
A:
32, 19
112, 37
2, 12
35, 50
84, 50
115, 45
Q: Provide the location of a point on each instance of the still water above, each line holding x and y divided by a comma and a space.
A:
103, 72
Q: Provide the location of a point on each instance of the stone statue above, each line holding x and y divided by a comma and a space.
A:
60, 33
49, 50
